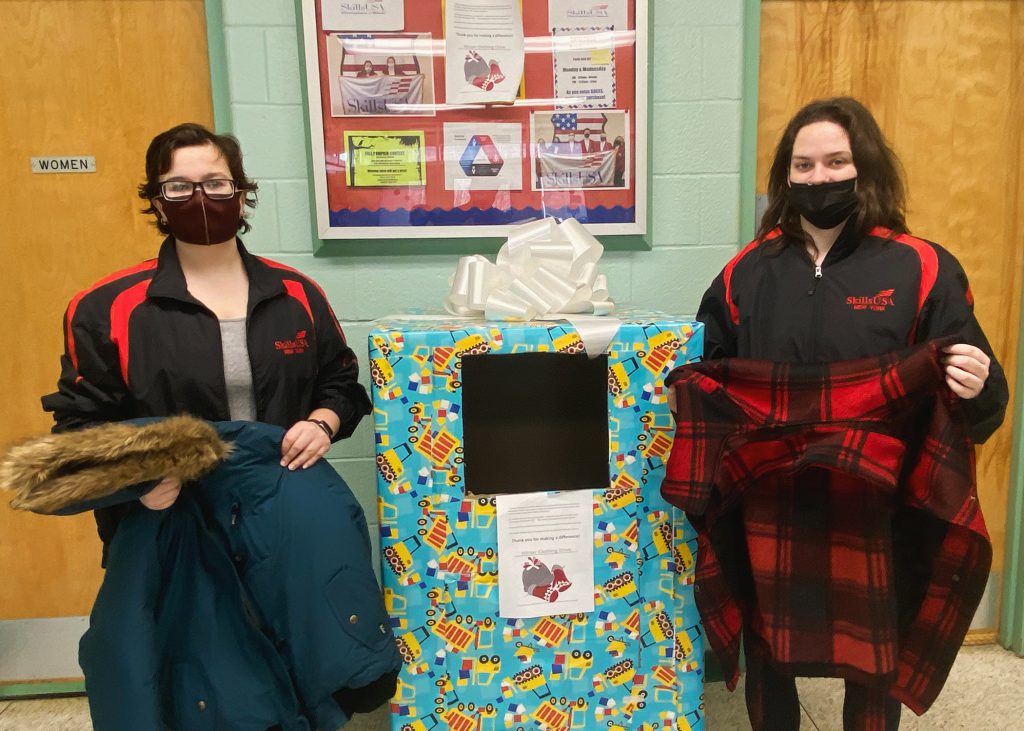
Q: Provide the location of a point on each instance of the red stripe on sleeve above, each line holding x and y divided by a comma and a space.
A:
296, 290
278, 265
120, 314
929, 267
734, 311
73, 305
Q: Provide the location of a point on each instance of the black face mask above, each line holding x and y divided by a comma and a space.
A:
827, 205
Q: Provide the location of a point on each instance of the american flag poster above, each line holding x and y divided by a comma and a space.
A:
580, 150
381, 74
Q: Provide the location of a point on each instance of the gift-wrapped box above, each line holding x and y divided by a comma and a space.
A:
465, 409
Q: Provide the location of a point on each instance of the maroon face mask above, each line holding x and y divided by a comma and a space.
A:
203, 220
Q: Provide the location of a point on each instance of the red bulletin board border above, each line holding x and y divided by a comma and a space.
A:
430, 215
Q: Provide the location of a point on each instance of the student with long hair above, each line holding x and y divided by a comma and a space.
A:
834, 275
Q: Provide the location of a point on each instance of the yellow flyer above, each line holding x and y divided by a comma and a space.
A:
383, 159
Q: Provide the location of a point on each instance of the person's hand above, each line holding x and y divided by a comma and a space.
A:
163, 495
303, 445
966, 369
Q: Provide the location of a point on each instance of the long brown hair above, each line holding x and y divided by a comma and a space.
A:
880, 188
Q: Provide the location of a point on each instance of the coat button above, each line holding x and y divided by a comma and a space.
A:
353, 619
201, 705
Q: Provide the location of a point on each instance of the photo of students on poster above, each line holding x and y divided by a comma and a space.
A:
381, 75
583, 149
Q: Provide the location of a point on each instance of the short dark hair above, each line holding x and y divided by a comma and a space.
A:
880, 187
190, 134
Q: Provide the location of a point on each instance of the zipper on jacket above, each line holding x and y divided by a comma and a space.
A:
815, 303
817, 278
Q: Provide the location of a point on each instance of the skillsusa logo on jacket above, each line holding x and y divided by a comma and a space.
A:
878, 302
294, 346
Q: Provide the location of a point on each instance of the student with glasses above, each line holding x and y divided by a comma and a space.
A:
211, 330
207, 328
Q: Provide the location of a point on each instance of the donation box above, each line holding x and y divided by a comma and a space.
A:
467, 411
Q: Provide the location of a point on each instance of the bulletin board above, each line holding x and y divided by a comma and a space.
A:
440, 120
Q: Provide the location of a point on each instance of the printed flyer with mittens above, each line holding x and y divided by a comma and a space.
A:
545, 554
483, 51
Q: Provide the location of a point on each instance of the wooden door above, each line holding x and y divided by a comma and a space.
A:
80, 77
945, 80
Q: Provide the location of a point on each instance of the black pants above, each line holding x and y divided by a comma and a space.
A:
773, 705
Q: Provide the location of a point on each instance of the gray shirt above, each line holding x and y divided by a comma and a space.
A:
237, 370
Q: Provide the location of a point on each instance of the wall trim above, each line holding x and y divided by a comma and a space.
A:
1011, 625
40, 652
748, 122
220, 91
50, 689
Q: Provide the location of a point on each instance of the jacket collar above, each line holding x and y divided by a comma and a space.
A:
169, 280
845, 243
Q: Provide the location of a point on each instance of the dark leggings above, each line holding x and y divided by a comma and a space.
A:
773, 705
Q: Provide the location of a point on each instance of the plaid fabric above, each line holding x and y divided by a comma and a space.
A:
836, 513
774, 705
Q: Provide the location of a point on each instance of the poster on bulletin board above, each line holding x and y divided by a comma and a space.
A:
447, 119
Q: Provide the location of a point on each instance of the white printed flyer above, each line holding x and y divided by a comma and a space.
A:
479, 156
584, 13
483, 51
362, 14
545, 554
584, 67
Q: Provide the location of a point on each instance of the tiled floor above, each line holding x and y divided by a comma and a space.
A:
985, 692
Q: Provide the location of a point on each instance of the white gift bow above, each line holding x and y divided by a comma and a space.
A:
545, 271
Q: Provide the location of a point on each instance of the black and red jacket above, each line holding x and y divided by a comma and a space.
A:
138, 344
872, 295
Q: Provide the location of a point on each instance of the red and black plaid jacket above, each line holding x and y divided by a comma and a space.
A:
837, 515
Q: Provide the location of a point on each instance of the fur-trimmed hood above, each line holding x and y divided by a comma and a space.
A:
58, 471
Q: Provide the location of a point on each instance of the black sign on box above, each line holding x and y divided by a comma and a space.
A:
535, 422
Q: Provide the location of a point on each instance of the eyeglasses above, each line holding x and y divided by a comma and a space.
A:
180, 190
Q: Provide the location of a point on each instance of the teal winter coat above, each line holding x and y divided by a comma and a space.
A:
247, 605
